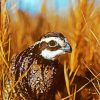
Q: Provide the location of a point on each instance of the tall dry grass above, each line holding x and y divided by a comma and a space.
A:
82, 28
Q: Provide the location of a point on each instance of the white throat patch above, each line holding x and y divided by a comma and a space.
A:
50, 55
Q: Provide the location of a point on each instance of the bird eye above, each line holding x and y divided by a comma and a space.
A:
52, 43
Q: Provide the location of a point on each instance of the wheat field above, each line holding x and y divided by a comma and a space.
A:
82, 28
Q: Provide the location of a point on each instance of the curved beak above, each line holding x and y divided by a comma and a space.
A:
67, 48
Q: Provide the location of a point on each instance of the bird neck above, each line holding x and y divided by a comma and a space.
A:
41, 60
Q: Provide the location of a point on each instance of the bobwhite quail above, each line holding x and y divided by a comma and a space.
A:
36, 69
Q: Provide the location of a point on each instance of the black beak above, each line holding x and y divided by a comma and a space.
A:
67, 48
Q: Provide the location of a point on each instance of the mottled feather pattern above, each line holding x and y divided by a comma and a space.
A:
37, 77
41, 76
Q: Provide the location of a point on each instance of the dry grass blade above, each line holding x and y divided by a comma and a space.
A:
81, 87
90, 29
58, 96
9, 49
72, 59
98, 84
66, 78
75, 92
1, 49
3, 83
4, 60
94, 86
95, 36
89, 69
74, 74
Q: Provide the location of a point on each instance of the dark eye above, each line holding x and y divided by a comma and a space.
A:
52, 43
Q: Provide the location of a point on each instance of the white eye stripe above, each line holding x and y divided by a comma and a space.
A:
50, 38
57, 39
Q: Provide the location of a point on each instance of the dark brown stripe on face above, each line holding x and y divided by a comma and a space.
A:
42, 46
45, 45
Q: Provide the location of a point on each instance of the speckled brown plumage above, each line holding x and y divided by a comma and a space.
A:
41, 77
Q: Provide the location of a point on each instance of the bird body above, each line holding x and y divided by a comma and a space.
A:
37, 72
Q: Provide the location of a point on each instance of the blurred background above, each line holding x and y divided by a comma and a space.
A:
24, 21
34, 7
